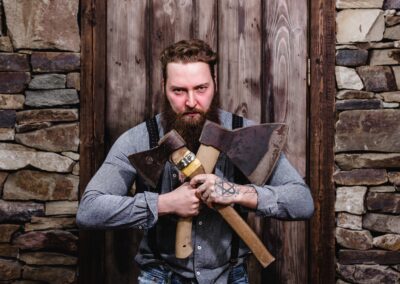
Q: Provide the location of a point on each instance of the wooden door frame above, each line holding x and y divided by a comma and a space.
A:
321, 133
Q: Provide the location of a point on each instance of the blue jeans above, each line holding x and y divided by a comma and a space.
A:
162, 275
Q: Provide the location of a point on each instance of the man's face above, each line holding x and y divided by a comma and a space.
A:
189, 89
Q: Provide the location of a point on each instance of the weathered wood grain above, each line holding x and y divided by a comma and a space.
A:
93, 53
285, 52
285, 73
127, 106
322, 121
126, 65
239, 50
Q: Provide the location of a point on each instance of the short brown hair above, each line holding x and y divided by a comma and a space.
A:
193, 50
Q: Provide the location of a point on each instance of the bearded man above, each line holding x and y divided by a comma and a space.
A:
190, 98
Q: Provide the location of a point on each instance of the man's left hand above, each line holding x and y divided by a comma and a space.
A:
213, 189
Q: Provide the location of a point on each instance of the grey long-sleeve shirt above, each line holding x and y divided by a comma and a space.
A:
105, 205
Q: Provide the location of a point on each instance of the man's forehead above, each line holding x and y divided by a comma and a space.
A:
191, 72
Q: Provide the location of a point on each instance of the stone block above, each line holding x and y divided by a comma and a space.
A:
49, 274
35, 185
44, 115
396, 72
359, 25
347, 256
388, 242
7, 134
358, 161
358, 104
3, 177
383, 202
382, 188
9, 251
367, 274
74, 81
382, 223
347, 78
360, 240
7, 118
375, 45
390, 105
76, 169
361, 177
74, 156
51, 98
48, 258
19, 211
391, 4
49, 223
392, 20
348, 4
55, 240
350, 199
394, 177
12, 101
48, 81
31, 127
385, 57
55, 62
349, 221
14, 62
351, 57
6, 232
13, 82
59, 138
354, 94
377, 78
50, 25
61, 208
377, 130
10, 269
5, 44
392, 33
391, 96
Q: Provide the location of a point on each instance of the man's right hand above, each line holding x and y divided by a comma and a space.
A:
182, 201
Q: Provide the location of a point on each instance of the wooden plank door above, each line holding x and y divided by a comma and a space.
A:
262, 49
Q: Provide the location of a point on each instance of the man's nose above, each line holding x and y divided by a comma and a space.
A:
191, 100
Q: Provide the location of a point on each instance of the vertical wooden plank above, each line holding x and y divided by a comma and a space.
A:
205, 22
322, 121
285, 53
239, 29
171, 21
92, 95
127, 94
286, 73
239, 50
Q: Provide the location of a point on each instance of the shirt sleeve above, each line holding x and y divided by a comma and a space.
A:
104, 204
286, 196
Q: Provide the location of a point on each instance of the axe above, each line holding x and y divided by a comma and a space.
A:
253, 149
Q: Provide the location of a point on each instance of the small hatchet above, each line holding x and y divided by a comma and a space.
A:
253, 149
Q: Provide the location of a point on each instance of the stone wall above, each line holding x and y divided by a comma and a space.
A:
39, 140
367, 141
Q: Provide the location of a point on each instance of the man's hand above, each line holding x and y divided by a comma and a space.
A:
212, 189
181, 201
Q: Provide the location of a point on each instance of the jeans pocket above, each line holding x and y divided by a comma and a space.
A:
149, 277
238, 275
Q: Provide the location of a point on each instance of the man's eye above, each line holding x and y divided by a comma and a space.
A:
178, 91
202, 89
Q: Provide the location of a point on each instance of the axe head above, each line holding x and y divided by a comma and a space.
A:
150, 164
254, 150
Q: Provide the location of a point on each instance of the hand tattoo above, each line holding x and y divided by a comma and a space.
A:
225, 188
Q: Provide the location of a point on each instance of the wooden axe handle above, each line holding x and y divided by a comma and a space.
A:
208, 157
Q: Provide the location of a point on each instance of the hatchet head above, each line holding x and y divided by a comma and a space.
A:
150, 164
254, 150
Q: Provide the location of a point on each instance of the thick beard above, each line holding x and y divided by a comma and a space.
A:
189, 130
